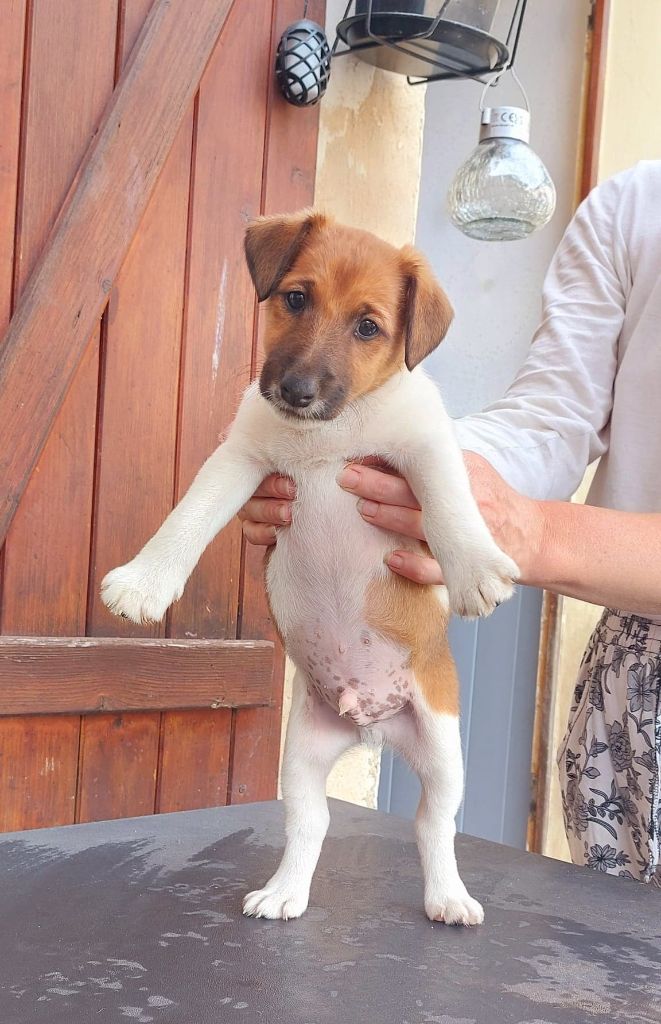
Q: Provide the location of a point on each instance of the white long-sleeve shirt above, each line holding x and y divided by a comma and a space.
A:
591, 384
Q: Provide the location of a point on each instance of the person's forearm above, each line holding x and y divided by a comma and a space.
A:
600, 555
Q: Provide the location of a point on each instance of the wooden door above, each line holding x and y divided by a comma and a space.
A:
157, 387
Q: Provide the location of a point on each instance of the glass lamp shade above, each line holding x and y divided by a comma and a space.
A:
503, 191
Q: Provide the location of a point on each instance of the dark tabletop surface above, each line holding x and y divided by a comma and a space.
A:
140, 920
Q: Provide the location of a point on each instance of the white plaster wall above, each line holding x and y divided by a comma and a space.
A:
368, 174
631, 125
495, 286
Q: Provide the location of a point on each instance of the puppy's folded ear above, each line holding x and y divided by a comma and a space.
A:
272, 245
427, 313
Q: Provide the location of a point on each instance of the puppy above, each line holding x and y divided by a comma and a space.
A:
348, 318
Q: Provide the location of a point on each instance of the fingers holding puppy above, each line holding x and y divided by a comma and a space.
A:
267, 509
417, 568
377, 485
386, 501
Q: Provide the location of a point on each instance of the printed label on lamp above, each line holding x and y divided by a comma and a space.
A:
505, 123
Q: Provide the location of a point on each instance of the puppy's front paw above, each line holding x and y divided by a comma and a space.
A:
477, 589
280, 903
139, 593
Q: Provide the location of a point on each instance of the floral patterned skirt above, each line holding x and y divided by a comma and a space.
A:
610, 757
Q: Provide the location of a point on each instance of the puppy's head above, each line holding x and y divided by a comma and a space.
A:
345, 311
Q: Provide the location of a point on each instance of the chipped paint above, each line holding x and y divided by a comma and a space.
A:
220, 322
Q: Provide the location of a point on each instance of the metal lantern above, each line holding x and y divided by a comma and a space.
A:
431, 40
302, 64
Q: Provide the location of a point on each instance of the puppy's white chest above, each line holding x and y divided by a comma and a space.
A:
318, 578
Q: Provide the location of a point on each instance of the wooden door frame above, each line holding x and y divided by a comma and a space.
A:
543, 754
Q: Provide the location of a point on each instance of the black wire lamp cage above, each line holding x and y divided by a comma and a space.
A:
302, 63
432, 41
426, 40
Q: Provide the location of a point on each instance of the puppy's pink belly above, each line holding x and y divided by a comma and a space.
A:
360, 674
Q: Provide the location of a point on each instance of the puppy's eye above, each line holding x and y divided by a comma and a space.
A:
295, 301
367, 329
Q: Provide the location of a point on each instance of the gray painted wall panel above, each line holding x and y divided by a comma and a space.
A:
497, 664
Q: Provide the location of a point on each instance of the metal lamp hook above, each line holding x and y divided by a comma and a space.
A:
493, 82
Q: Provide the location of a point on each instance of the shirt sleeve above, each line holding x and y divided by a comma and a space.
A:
553, 421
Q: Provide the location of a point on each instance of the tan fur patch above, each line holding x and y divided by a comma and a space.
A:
411, 615
347, 275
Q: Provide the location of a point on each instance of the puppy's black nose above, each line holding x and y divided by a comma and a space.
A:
298, 392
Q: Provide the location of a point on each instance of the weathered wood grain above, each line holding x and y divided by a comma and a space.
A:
227, 187
12, 36
67, 82
117, 767
51, 675
135, 458
68, 289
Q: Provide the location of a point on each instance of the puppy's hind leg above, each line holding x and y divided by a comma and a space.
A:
316, 737
442, 778
430, 742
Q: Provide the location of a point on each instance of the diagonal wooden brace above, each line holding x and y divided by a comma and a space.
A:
68, 289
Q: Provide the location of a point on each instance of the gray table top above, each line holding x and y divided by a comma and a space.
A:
140, 920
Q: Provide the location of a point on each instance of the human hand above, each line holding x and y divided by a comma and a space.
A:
270, 506
387, 501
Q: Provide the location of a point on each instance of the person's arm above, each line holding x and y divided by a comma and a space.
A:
598, 555
601, 555
553, 420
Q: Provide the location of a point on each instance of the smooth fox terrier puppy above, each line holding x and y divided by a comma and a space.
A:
348, 319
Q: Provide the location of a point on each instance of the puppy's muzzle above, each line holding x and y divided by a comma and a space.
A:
298, 391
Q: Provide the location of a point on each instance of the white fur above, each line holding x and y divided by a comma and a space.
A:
317, 578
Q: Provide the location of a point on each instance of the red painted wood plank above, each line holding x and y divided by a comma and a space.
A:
67, 293
216, 366
12, 39
81, 674
133, 16
117, 774
288, 185
195, 761
71, 49
37, 772
138, 420
220, 300
138, 415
